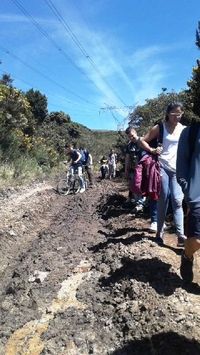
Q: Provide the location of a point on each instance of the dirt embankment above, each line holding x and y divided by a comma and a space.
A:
81, 275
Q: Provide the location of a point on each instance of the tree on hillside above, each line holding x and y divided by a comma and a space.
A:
15, 118
194, 82
38, 104
145, 116
74, 130
120, 146
198, 35
6, 79
55, 130
59, 117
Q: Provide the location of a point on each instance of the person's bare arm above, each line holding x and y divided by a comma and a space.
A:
78, 157
90, 159
144, 141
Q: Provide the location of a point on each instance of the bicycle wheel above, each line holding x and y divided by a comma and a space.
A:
63, 187
76, 186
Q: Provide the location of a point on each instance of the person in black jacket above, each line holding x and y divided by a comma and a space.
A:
187, 172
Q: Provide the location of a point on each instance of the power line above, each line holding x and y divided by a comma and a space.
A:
55, 44
120, 125
116, 108
27, 54
49, 93
75, 39
41, 64
43, 75
60, 50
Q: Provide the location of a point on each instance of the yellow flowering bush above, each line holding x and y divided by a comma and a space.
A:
22, 140
44, 153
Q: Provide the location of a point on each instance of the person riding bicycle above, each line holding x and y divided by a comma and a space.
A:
75, 163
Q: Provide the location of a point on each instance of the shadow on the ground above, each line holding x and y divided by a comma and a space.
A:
162, 343
119, 232
113, 207
153, 271
113, 238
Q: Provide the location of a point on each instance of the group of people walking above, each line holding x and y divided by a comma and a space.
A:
82, 159
179, 179
179, 169
108, 165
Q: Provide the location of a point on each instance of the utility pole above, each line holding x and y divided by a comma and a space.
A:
120, 125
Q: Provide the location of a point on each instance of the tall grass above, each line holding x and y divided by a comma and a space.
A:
21, 171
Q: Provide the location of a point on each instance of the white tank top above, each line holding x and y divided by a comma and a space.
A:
170, 145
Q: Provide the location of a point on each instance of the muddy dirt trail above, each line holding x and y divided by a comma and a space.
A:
81, 275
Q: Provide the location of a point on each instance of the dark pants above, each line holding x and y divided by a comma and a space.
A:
103, 172
89, 173
193, 223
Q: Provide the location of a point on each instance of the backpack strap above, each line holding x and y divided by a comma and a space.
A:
158, 140
161, 131
192, 136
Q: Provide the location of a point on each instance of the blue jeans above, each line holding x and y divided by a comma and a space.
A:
80, 172
139, 200
153, 210
170, 187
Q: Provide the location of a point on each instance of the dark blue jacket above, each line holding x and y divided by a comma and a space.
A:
188, 169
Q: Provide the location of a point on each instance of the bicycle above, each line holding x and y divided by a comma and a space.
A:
70, 184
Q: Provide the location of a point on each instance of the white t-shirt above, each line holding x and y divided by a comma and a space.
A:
170, 145
112, 159
89, 159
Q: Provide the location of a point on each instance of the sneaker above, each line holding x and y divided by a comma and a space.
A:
159, 239
138, 208
181, 241
153, 227
186, 268
166, 227
82, 190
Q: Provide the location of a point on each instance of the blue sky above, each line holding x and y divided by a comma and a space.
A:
95, 59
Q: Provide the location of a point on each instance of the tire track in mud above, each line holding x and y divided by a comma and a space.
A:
125, 297
47, 212
23, 215
27, 340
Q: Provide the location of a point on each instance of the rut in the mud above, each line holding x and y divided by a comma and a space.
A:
81, 275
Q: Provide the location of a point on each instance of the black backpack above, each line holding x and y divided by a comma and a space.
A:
86, 154
156, 141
